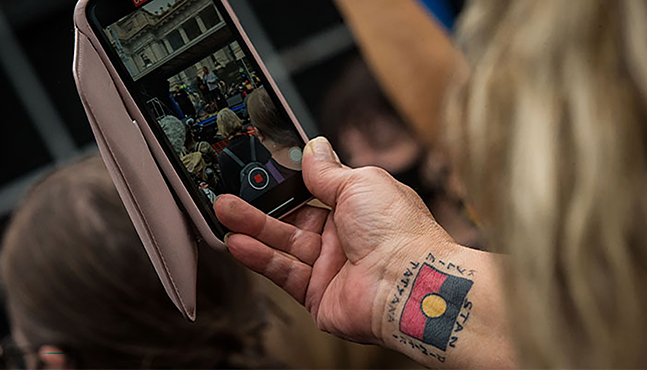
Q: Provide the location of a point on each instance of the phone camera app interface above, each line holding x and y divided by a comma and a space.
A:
207, 96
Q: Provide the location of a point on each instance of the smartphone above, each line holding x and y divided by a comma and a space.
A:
209, 100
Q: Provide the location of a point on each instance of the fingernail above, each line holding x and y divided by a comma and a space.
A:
322, 149
227, 239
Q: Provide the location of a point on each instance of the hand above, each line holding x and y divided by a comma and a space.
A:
339, 264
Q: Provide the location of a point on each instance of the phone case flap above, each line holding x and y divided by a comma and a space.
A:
161, 225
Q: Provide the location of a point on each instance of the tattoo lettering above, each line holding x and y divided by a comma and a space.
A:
422, 348
460, 323
433, 307
400, 289
465, 317
468, 305
459, 327
452, 342
449, 266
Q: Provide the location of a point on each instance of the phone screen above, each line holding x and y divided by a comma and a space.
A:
197, 82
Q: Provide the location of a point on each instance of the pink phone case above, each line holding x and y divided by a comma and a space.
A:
145, 179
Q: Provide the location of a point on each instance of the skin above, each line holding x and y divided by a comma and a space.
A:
280, 154
344, 265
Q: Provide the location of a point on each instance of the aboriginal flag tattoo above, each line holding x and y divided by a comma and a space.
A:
433, 306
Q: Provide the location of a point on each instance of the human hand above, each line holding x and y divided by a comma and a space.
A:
340, 264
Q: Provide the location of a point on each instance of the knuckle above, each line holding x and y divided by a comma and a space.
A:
293, 238
374, 172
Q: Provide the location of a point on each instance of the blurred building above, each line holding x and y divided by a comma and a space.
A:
147, 39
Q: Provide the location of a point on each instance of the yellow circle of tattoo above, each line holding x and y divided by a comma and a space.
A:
433, 306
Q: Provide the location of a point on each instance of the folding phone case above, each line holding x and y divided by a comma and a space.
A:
165, 216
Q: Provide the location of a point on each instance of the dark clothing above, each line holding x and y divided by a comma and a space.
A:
230, 170
182, 99
219, 99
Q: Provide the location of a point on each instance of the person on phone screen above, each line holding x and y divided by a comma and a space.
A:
210, 78
243, 161
277, 134
212, 89
182, 99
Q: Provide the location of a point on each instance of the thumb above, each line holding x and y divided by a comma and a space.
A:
323, 173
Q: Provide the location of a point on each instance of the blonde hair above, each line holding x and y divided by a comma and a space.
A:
228, 122
549, 136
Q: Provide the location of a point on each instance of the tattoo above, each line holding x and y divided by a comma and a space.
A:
420, 347
399, 294
436, 309
433, 306
450, 266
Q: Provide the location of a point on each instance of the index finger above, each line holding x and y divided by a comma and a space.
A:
240, 217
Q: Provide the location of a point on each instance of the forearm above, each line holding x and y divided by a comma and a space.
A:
444, 308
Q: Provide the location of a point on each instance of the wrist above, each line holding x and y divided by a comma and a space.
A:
398, 278
425, 300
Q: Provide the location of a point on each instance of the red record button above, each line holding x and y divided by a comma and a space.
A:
258, 178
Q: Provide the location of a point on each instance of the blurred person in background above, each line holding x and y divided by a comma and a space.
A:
367, 130
82, 293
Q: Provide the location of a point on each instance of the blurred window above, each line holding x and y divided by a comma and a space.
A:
146, 60
192, 29
175, 39
209, 17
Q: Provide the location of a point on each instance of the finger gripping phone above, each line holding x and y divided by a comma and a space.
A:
184, 110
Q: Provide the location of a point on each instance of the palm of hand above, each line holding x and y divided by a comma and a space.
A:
334, 263
354, 244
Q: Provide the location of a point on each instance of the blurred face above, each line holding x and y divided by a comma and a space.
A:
388, 146
45, 357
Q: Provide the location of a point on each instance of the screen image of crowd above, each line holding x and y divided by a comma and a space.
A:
200, 86
229, 135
